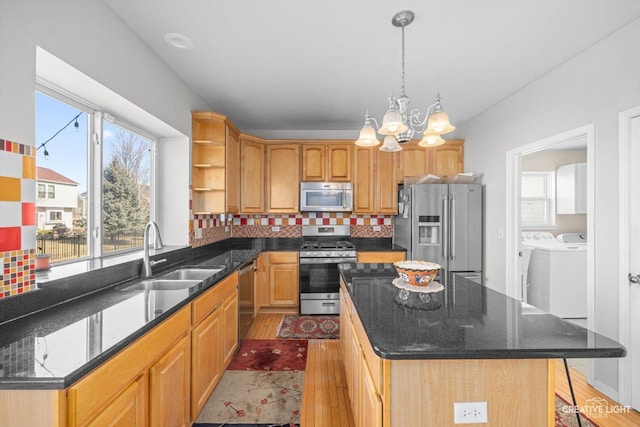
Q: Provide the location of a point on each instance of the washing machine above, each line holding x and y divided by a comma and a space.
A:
557, 273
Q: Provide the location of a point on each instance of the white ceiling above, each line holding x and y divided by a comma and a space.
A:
318, 65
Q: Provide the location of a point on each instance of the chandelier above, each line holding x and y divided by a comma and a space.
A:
400, 124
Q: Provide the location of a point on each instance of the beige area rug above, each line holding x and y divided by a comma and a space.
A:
253, 397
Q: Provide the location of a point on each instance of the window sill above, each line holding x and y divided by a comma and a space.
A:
61, 271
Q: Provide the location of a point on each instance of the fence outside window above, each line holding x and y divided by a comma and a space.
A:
74, 246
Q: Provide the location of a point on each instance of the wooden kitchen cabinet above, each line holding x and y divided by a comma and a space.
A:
375, 184
128, 409
169, 387
261, 279
380, 257
283, 178
120, 385
230, 328
443, 160
329, 162
283, 279
232, 169
214, 338
251, 174
208, 137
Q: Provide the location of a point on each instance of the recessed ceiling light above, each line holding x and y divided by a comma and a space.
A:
178, 41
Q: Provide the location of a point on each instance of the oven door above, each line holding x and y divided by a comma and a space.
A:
320, 275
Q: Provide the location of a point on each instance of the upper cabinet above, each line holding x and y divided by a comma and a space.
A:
233, 169
251, 174
444, 160
208, 163
283, 178
330, 162
375, 184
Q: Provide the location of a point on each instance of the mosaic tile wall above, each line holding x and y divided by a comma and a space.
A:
17, 218
291, 225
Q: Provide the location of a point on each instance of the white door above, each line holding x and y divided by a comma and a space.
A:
634, 261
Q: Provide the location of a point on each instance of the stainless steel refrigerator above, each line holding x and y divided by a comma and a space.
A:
442, 223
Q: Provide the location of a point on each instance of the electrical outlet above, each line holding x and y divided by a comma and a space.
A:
226, 228
377, 228
275, 228
198, 232
470, 412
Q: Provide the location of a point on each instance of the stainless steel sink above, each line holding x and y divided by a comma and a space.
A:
191, 273
161, 285
182, 278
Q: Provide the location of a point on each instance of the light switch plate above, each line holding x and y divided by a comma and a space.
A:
377, 228
275, 228
198, 233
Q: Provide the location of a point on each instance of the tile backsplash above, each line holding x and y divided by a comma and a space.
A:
17, 218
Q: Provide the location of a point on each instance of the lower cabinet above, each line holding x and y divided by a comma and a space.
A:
283, 279
169, 387
230, 328
206, 360
128, 409
381, 257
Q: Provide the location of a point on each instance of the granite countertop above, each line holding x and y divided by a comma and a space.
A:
54, 348
468, 321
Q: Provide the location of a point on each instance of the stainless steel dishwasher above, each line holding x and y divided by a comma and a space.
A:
246, 298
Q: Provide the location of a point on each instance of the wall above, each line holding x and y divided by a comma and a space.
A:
593, 87
549, 160
88, 37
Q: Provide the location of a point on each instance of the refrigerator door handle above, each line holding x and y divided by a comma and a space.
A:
453, 228
445, 227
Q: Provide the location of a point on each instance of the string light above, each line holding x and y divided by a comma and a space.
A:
44, 144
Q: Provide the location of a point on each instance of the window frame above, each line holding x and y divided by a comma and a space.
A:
549, 199
54, 221
95, 168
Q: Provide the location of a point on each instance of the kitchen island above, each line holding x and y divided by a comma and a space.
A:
408, 366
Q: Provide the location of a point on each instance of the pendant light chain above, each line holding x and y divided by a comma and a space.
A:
403, 91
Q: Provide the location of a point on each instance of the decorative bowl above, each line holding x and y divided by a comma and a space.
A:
417, 273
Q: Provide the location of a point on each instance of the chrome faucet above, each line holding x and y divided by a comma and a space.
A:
157, 244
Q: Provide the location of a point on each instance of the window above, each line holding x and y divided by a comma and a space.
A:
98, 163
55, 216
537, 199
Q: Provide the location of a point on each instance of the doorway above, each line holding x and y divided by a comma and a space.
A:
514, 285
629, 293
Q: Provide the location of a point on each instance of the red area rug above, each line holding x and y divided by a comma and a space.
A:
309, 327
566, 417
270, 355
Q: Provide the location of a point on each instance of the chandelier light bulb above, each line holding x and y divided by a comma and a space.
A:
431, 140
390, 144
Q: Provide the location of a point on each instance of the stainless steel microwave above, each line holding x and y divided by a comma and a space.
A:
326, 197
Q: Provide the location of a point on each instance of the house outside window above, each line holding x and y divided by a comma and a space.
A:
51, 192
41, 191
537, 199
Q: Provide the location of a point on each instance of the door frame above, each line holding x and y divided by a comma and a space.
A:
512, 220
624, 330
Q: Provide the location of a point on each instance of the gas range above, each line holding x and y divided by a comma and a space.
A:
323, 248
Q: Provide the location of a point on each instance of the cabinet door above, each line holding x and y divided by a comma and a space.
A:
386, 184
233, 170
129, 409
262, 281
353, 381
229, 328
283, 285
363, 171
370, 414
252, 177
414, 161
170, 387
339, 161
206, 360
283, 178
381, 257
447, 159
313, 162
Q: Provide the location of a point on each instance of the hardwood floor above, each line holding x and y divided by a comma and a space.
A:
325, 401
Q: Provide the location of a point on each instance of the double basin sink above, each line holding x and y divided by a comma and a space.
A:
182, 278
